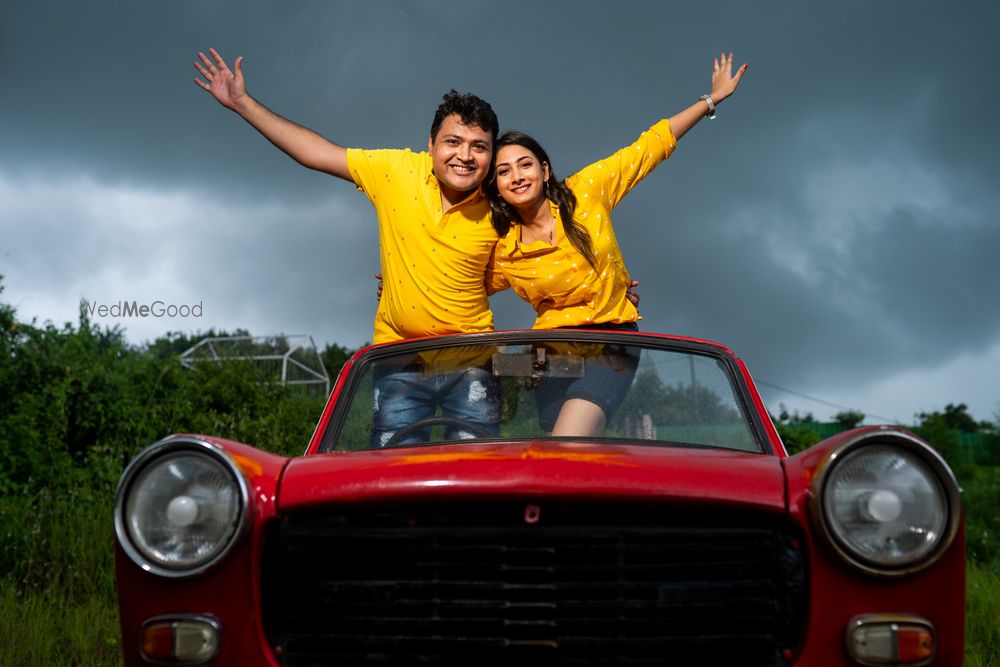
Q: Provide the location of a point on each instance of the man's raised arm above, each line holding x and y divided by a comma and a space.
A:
300, 143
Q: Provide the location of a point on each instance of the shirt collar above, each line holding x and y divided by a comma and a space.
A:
515, 248
474, 195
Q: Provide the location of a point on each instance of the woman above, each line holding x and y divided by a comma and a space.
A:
558, 250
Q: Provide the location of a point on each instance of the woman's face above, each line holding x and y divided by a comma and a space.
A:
520, 176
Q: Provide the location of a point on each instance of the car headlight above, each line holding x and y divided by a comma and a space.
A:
180, 507
888, 503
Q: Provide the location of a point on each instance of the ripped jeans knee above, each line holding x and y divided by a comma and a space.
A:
405, 397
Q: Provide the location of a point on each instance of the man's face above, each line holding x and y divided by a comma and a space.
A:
461, 154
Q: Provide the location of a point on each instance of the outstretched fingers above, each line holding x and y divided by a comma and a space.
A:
724, 82
220, 63
205, 64
203, 71
210, 69
225, 85
723, 64
735, 79
206, 69
739, 74
238, 70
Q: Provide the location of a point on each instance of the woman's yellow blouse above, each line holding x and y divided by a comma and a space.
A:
556, 279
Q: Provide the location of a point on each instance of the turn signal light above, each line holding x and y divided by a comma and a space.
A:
884, 639
179, 640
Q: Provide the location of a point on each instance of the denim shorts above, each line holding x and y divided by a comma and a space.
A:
606, 380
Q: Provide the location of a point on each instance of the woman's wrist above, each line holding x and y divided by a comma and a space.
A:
718, 96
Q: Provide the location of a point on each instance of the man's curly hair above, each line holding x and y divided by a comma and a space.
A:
471, 109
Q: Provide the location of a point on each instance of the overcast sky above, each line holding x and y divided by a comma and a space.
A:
835, 225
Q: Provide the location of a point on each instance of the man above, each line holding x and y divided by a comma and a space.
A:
435, 241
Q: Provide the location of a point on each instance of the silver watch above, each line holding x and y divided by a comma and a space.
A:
711, 105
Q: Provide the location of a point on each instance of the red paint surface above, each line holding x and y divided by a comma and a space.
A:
229, 592
537, 469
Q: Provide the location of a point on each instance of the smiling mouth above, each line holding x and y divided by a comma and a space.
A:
462, 169
521, 189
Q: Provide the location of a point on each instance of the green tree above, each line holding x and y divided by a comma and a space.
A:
334, 357
849, 418
689, 404
796, 438
78, 402
938, 429
647, 396
785, 417
955, 417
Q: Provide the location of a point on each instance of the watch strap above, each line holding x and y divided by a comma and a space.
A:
711, 105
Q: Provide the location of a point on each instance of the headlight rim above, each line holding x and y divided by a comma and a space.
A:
170, 445
929, 456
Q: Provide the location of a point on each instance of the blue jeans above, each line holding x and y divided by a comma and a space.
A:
403, 397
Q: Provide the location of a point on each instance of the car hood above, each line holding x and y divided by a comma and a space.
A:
536, 469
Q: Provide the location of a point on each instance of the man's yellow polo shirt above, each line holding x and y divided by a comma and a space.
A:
556, 279
433, 261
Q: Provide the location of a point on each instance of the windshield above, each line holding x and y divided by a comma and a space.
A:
587, 389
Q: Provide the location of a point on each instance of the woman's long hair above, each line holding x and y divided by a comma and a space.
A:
555, 190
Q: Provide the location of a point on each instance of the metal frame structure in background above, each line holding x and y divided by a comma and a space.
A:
265, 352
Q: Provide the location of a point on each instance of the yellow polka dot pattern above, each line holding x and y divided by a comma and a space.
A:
433, 261
556, 279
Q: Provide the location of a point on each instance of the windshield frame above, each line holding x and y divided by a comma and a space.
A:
361, 362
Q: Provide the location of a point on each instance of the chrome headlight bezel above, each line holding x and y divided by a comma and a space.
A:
156, 454
909, 446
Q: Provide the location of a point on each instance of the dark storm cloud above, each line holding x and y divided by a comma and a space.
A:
835, 224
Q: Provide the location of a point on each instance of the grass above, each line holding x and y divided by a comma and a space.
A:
982, 615
47, 628
57, 594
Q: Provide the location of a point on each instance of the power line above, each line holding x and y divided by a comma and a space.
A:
827, 403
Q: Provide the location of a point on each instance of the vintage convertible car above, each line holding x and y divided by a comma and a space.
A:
683, 535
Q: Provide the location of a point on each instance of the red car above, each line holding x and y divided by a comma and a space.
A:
682, 534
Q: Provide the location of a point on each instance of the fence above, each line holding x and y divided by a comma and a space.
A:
977, 448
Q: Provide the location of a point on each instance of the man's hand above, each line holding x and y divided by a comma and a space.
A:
225, 85
631, 294
300, 143
378, 290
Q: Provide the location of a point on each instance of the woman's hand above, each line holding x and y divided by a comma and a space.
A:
723, 82
723, 85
